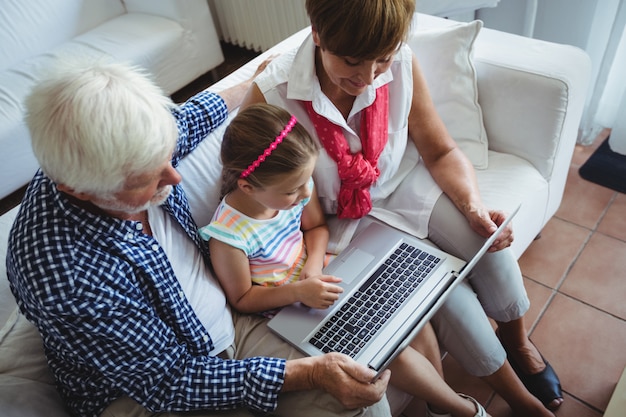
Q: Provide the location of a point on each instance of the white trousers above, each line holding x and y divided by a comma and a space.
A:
494, 288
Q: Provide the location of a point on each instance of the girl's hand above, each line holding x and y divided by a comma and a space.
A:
318, 291
309, 271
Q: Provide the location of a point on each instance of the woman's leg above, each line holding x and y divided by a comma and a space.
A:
496, 288
523, 352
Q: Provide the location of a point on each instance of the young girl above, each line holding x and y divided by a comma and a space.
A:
269, 230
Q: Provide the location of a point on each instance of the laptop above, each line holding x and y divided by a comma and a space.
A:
393, 284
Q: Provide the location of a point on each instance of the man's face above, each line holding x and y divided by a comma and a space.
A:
141, 191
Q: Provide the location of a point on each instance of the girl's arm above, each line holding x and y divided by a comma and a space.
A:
316, 234
233, 272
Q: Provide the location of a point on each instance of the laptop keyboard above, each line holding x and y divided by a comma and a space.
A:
366, 311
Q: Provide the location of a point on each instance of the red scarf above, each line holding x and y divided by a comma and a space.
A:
358, 171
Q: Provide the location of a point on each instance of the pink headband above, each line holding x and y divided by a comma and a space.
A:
246, 172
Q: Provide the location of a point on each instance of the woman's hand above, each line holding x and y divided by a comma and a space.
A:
485, 222
318, 291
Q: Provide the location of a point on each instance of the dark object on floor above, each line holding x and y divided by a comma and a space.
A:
544, 385
606, 168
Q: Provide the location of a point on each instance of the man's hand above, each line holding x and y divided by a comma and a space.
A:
339, 375
234, 95
263, 64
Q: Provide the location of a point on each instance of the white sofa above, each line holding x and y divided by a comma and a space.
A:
530, 95
175, 41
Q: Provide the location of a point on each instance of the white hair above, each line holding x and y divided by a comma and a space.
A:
92, 126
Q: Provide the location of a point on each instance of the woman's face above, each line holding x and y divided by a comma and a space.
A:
351, 75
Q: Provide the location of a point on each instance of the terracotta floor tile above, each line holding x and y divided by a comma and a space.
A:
582, 153
586, 348
597, 278
547, 259
614, 221
583, 202
499, 408
539, 295
461, 381
571, 408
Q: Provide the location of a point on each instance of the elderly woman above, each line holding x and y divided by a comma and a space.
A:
386, 153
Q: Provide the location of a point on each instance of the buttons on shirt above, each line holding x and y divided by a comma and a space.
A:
205, 338
139, 226
155, 247
181, 294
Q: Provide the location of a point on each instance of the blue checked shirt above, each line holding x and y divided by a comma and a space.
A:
109, 308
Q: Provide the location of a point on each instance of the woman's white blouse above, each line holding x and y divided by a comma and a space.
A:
290, 79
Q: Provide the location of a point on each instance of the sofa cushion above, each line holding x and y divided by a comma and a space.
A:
29, 28
157, 38
21, 397
21, 350
121, 38
531, 189
7, 302
445, 56
26, 384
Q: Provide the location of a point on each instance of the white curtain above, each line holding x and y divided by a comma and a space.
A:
606, 103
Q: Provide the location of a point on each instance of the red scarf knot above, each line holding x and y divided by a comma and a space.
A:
357, 171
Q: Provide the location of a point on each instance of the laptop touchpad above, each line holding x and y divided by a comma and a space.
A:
349, 267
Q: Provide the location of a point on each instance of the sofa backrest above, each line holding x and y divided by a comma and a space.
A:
31, 27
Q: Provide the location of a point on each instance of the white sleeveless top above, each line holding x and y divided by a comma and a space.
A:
290, 79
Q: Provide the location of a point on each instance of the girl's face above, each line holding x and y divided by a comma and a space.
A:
287, 190
351, 75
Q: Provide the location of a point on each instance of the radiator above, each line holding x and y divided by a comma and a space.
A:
258, 24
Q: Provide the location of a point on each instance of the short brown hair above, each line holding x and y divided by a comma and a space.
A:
250, 133
364, 29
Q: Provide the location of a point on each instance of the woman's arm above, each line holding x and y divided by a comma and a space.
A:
448, 165
446, 162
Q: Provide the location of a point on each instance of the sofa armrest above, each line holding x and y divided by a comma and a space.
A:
194, 16
532, 94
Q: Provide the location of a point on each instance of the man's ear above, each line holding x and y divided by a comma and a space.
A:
245, 186
70, 191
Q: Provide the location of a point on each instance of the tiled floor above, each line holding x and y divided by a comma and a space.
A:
575, 279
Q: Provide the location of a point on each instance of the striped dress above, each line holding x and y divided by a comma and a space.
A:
275, 247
